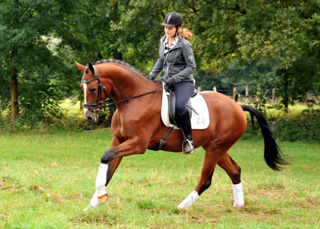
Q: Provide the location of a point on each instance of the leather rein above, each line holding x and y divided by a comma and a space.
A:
99, 103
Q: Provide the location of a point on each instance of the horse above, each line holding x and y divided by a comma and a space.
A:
137, 126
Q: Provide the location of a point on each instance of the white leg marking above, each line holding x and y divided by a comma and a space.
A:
94, 200
238, 195
102, 176
100, 185
193, 196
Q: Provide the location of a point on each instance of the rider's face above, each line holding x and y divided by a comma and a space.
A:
170, 31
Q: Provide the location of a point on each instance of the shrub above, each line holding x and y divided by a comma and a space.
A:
304, 128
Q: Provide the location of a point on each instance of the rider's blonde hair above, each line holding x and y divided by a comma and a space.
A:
185, 33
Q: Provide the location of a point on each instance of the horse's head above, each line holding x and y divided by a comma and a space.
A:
94, 91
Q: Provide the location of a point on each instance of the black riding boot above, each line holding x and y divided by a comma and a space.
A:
185, 126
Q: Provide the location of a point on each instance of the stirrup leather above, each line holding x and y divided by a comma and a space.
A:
187, 146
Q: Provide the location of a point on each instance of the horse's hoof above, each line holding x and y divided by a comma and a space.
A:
238, 206
99, 197
96, 201
103, 199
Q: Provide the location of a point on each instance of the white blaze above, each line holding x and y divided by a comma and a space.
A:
85, 96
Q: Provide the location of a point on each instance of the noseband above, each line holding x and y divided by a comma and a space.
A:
99, 99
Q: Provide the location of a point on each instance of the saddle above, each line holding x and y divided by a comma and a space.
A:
172, 106
197, 107
198, 110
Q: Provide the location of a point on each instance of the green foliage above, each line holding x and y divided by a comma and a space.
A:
25, 50
306, 127
285, 32
298, 80
236, 41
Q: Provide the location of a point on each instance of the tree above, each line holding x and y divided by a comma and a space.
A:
25, 55
286, 32
40, 40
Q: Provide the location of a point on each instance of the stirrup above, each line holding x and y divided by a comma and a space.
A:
187, 146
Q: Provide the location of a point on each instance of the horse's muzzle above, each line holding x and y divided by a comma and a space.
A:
90, 116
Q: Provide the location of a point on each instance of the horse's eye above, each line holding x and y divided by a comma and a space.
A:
92, 90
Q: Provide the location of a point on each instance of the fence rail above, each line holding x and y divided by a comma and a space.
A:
254, 95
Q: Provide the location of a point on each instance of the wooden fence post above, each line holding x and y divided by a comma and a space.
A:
308, 100
199, 89
215, 89
234, 93
247, 93
258, 92
273, 96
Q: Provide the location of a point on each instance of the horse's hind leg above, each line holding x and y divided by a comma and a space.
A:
210, 162
234, 172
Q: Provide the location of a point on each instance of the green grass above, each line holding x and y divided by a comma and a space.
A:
46, 180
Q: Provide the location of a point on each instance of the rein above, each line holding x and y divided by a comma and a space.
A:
99, 99
127, 99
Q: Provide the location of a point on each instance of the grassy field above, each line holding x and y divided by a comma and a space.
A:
46, 180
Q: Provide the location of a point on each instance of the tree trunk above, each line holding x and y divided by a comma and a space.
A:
286, 95
14, 89
14, 94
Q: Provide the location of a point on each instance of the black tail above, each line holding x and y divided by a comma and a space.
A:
272, 152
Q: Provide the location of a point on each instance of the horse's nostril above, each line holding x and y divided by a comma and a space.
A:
89, 118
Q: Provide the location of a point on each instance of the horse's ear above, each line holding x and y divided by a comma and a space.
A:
80, 66
91, 68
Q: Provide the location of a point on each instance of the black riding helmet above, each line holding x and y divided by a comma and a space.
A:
172, 19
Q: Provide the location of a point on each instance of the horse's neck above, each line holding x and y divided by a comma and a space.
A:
126, 83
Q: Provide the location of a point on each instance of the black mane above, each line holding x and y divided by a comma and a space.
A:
120, 62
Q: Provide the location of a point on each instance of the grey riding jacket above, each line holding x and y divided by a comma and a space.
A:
178, 63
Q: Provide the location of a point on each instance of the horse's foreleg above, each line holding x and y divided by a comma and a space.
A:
105, 173
134, 145
211, 159
104, 176
110, 161
234, 172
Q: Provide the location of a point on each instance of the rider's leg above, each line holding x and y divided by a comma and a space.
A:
185, 126
183, 92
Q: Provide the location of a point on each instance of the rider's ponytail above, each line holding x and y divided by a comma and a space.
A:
185, 33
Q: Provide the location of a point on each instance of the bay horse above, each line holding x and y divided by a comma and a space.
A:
137, 126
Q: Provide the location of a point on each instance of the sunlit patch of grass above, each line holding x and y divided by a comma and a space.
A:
70, 106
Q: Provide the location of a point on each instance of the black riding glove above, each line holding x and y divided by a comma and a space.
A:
169, 83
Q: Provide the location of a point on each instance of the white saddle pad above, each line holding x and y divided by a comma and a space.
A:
200, 113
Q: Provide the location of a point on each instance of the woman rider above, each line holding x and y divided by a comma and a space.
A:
176, 59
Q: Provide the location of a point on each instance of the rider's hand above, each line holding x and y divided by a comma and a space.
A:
169, 82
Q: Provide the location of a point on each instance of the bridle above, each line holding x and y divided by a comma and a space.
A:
99, 103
